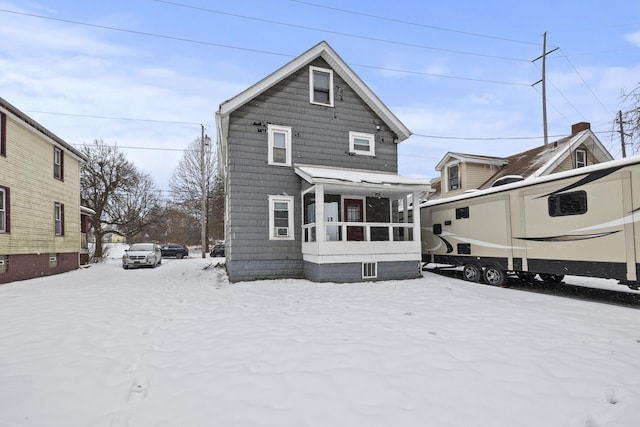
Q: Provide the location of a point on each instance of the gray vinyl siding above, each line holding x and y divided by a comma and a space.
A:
320, 136
352, 272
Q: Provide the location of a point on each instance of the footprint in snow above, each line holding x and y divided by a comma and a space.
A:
139, 389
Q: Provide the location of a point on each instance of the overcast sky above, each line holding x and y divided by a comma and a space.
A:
145, 74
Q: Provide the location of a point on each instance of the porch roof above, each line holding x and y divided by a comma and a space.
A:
360, 180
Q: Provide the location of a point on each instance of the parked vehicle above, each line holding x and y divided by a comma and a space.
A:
580, 222
142, 255
217, 250
175, 250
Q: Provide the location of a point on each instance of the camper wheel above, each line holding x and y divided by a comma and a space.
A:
494, 276
551, 278
472, 272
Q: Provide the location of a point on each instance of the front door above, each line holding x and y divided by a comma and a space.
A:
353, 209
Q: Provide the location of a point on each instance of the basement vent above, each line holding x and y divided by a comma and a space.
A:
369, 270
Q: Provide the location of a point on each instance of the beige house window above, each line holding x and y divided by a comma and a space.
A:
58, 164
3, 134
453, 177
581, 158
59, 219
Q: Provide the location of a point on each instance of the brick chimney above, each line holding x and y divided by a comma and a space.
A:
579, 127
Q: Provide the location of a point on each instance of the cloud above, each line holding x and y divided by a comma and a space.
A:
633, 38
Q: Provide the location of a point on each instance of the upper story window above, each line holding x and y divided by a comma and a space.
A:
362, 143
581, 158
59, 218
4, 210
321, 86
281, 218
453, 177
279, 145
58, 164
3, 134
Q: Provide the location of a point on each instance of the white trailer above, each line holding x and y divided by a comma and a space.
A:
580, 222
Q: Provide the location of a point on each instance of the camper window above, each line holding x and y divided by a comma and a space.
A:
574, 203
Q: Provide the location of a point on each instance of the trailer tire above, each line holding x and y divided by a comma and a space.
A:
494, 275
472, 272
551, 278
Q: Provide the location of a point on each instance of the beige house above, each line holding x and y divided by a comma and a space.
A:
40, 213
466, 172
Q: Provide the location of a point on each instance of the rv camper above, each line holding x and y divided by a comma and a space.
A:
580, 222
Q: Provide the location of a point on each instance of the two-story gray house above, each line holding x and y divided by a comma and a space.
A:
309, 158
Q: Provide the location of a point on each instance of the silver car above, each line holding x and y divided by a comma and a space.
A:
141, 255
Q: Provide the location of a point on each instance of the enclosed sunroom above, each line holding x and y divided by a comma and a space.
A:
356, 225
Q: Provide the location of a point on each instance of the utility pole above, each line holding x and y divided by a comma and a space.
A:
544, 86
621, 123
204, 196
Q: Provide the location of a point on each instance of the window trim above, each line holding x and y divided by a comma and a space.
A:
58, 207
58, 165
313, 69
3, 134
584, 160
361, 135
6, 211
447, 177
272, 129
370, 270
290, 206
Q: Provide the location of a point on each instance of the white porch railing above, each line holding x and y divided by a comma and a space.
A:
337, 231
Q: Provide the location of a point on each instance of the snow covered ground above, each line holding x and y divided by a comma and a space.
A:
180, 346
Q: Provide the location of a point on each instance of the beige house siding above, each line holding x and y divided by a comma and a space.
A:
570, 162
472, 175
27, 171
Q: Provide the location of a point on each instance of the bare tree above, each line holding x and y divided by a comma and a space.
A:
631, 118
122, 197
186, 188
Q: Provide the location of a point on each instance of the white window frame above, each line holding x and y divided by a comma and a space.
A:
369, 270
313, 69
360, 135
58, 220
272, 130
272, 228
3, 210
583, 162
446, 175
57, 163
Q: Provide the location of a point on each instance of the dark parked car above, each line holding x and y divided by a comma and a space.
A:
217, 250
175, 250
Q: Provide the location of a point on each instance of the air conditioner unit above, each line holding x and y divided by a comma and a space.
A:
282, 232
1, 261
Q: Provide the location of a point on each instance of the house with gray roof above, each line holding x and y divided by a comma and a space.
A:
309, 161
461, 172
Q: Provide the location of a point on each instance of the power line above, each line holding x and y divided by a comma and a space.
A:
115, 118
269, 21
243, 48
399, 21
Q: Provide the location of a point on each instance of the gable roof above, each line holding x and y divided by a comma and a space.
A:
543, 160
470, 158
5, 105
324, 51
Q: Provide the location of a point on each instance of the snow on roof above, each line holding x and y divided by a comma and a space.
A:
329, 175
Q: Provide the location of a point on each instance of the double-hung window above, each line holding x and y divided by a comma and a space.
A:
59, 218
3, 134
581, 158
362, 143
321, 86
4, 210
281, 218
279, 145
453, 177
58, 164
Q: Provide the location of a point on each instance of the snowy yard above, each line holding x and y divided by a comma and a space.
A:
180, 346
